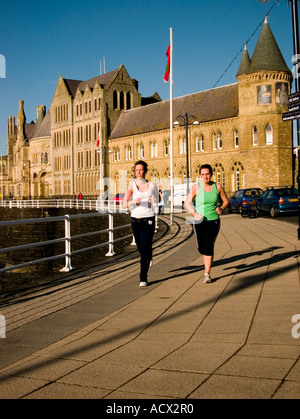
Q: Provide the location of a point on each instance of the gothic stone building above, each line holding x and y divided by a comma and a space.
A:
240, 132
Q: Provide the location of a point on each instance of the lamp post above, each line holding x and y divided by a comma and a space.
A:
186, 120
295, 18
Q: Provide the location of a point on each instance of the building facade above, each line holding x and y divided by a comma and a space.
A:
237, 128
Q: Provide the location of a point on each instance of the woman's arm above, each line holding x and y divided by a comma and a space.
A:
188, 202
224, 198
126, 201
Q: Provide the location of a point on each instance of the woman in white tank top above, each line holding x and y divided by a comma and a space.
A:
141, 198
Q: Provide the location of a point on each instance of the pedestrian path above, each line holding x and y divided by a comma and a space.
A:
179, 338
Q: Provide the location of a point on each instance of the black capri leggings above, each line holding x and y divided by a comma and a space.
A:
143, 230
206, 236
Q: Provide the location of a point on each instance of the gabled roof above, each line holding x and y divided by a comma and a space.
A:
210, 105
104, 80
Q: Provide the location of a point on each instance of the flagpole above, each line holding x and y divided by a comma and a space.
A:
171, 130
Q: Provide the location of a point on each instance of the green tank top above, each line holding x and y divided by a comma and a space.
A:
206, 202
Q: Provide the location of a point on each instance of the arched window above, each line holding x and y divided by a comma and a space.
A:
153, 147
269, 134
236, 138
182, 174
116, 154
166, 147
214, 141
220, 141
141, 151
254, 135
182, 146
128, 152
121, 101
219, 174
237, 176
128, 100
199, 143
202, 142
115, 99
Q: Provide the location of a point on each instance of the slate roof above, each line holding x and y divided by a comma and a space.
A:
104, 80
44, 129
267, 55
210, 105
245, 63
29, 129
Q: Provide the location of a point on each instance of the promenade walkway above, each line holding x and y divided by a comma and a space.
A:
97, 335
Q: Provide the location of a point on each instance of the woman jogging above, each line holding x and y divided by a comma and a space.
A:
206, 215
141, 197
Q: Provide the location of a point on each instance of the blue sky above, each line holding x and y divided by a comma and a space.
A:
43, 40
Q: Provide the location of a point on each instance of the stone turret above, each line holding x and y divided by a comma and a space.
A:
21, 120
245, 63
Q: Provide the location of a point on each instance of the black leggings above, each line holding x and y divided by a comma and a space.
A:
206, 235
143, 231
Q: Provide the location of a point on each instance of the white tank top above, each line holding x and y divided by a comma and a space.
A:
145, 208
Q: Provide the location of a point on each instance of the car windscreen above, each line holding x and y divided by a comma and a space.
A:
287, 192
253, 193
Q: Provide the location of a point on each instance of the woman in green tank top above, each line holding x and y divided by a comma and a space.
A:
206, 213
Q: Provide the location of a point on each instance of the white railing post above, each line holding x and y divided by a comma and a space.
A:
68, 266
110, 235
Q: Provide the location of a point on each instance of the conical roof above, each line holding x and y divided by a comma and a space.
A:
245, 63
267, 55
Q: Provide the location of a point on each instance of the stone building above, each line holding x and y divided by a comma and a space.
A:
239, 132
59, 154
239, 128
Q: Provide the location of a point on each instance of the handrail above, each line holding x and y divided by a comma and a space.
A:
87, 204
67, 239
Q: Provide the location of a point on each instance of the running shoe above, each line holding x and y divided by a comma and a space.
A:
143, 284
207, 279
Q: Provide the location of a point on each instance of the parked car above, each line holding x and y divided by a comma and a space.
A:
243, 199
276, 200
118, 198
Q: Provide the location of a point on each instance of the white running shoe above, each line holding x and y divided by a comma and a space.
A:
143, 284
207, 279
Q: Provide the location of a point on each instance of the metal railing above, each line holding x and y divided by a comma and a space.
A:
87, 204
67, 239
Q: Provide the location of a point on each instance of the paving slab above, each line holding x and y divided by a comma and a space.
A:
179, 338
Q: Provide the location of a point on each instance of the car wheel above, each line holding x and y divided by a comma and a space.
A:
273, 213
245, 213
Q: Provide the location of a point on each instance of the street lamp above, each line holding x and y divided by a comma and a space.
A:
187, 119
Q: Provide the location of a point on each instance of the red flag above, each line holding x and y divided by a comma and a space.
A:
98, 139
167, 73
